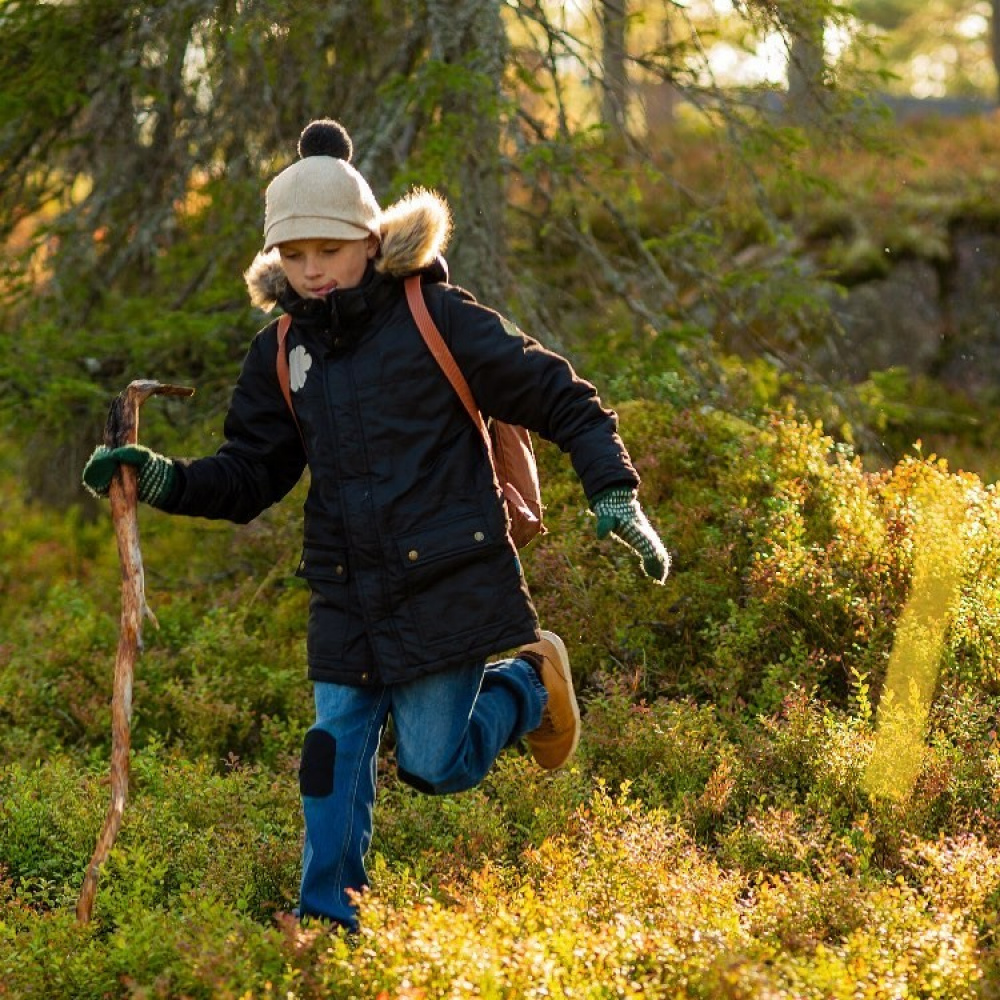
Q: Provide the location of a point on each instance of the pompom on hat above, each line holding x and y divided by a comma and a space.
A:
320, 196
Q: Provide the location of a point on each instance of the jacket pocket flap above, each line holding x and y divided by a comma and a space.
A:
443, 541
323, 564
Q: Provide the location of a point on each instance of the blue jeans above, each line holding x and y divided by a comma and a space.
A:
449, 728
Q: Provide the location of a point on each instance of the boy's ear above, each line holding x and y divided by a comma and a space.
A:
373, 245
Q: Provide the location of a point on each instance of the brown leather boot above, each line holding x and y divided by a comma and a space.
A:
553, 742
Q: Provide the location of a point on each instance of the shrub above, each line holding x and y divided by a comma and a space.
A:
732, 713
792, 563
187, 831
665, 752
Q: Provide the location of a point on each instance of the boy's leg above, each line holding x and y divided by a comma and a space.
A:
337, 782
451, 726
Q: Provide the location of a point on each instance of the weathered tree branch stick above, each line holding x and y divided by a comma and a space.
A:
122, 428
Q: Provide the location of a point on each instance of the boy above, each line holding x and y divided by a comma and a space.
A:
414, 580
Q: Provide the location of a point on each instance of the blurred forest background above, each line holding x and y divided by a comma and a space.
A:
719, 171
769, 233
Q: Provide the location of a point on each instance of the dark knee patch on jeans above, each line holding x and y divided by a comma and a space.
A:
319, 753
415, 781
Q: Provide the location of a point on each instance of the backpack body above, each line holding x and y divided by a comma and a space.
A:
517, 475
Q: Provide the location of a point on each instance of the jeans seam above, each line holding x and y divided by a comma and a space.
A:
349, 829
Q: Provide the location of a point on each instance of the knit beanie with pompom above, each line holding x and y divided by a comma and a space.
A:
320, 196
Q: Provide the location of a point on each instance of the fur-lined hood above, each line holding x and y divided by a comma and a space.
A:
414, 233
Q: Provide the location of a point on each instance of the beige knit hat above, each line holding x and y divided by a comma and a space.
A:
321, 196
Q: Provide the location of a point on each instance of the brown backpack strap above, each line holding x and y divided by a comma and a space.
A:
436, 345
281, 363
508, 447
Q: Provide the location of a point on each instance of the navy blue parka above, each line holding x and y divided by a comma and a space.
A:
405, 546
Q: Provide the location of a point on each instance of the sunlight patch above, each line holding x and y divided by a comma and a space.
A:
920, 635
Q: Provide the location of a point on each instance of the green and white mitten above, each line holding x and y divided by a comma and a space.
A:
619, 515
156, 473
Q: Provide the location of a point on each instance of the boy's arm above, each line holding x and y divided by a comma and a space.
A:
515, 379
260, 461
262, 456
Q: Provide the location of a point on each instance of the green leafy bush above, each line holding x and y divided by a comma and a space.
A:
792, 562
715, 836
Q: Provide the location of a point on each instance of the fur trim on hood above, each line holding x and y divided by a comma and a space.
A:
413, 232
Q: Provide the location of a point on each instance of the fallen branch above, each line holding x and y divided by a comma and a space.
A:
122, 428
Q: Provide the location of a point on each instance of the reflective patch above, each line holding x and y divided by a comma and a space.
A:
299, 362
319, 752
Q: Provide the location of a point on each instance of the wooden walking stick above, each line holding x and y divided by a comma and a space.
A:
122, 428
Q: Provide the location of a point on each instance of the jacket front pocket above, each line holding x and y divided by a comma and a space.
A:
330, 620
451, 577
323, 568
440, 549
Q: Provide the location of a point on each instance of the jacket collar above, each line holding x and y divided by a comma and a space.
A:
342, 311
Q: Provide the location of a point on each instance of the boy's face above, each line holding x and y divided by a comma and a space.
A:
314, 268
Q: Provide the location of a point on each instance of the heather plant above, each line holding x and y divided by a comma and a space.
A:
614, 893
666, 751
793, 561
192, 833
620, 900
715, 836
221, 671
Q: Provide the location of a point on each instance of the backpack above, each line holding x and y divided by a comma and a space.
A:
508, 446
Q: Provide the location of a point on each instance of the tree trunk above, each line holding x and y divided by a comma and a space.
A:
614, 102
470, 34
995, 41
806, 64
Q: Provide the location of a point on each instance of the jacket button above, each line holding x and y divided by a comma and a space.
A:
339, 571
302, 565
413, 555
478, 536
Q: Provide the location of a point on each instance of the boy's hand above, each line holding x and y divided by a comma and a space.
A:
619, 514
156, 473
